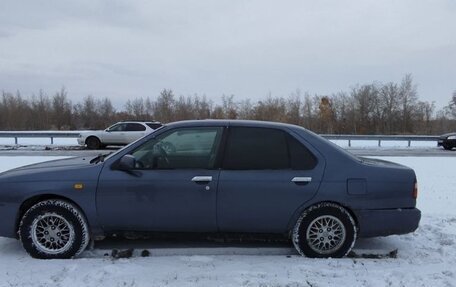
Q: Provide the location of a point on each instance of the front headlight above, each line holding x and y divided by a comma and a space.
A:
451, 137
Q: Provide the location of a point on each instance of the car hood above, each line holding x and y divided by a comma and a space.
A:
61, 169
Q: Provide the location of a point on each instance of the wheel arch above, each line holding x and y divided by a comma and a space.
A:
29, 202
297, 214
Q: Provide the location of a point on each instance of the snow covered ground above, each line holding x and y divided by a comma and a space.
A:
425, 258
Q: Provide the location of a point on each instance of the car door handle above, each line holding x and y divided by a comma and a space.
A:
202, 179
301, 179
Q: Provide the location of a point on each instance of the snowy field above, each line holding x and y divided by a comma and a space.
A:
425, 258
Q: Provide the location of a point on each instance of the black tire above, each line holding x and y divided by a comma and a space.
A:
333, 242
447, 147
66, 227
93, 143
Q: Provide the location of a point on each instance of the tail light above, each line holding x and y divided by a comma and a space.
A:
415, 191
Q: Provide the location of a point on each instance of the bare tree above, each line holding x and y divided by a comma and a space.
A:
370, 108
136, 109
309, 111
164, 106
229, 107
408, 98
40, 112
61, 110
184, 109
364, 104
272, 109
389, 101
106, 112
293, 108
16, 112
452, 105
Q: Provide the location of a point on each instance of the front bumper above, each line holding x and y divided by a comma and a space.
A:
384, 222
81, 141
8, 215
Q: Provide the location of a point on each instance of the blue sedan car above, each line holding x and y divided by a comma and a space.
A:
211, 176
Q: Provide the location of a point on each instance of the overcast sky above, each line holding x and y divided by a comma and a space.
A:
127, 49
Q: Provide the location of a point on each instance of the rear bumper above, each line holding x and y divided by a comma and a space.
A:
384, 222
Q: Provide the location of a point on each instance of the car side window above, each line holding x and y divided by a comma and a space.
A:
265, 149
133, 127
185, 148
300, 157
256, 148
118, 128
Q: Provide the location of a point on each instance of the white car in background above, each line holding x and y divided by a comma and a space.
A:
121, 133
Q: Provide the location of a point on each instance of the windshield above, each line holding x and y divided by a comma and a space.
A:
116, 152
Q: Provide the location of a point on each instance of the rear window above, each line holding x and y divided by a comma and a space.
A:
154, 126
300, 157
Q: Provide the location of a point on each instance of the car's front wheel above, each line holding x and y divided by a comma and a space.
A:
54, 229
447, 147
324, 230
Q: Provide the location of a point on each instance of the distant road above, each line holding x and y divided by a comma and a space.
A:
71, 151
420, 152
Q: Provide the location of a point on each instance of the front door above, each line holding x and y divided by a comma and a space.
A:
115, 134
173, 187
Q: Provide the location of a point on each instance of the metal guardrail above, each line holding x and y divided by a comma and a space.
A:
349, 138
381, 138
39, 134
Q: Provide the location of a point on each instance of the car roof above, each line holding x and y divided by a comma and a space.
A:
448, 134
139, 122
228, 122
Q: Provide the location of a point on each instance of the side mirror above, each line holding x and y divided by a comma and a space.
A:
107, 130
127, 162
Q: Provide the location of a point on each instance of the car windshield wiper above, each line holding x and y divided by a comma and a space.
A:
99, 158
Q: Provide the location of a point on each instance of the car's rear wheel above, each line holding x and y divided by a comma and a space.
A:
93, 143
324, 230
54, 229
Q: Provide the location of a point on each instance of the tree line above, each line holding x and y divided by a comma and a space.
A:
375, 108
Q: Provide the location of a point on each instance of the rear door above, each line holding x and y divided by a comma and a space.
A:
266, 175
133, 132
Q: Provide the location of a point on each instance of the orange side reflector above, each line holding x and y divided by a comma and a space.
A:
78, 186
